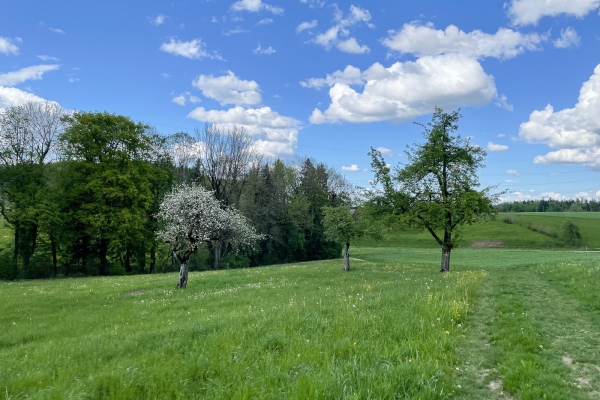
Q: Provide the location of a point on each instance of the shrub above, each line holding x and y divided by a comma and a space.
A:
571, 234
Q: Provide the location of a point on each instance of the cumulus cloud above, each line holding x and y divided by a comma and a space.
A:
351, 168
421, 40
194, 49
352, 46
575, 132
11, 97
331, 37
184, 97
159, 20
502, 102
56, 30
268, 51
529, 12
275, 135
553, 195
405, 90
47, 58
255, 6
228, 89
306, 25
568, 38
513, 172
24, 74
496, 147
385, 151
7, 46
313, 3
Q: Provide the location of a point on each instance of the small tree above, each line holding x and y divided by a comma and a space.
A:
571, 234
191, 215
437, 189
341, 225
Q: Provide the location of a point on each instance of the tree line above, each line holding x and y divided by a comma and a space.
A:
81, 193
550, 205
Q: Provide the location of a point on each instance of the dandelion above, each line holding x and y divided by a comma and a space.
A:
541, 346
447, 333
410, 360
460, 325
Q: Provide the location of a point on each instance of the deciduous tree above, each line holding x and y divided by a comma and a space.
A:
437, 188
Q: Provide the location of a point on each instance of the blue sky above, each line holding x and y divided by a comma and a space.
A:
328, 80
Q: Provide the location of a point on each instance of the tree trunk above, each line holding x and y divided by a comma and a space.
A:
217, 253
16, 251
446, 249
152, 258
445, 265
53, 248
347, 257
183, 275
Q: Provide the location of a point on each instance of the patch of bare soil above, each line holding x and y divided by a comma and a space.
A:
479, 244
134, 292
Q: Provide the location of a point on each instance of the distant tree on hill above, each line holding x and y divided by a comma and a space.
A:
437, 188
342, 225
571, 234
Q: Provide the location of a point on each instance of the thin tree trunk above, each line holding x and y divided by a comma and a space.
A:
16, 251
217, 254
446, 249
183, 275
53, 248
347, 257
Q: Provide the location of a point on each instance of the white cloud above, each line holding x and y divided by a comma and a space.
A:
57, 30
268, 51
11, 97
352, 46
306, 25
511, 181
275, 135
73, 80
349, 76
351, 168
405, 90
496, 147
598, 193
194, 49
583, 195
575, 132
229, 89
236, 30
185, 96
47, 58
513, 172
159, 20
501, 135
7, 46
385, 151
553, 195
24, 74
265, 21
331, 37
422, 40
313, 3
568, 38
165, 75
255, 6
214, 19
526, 12
502, 102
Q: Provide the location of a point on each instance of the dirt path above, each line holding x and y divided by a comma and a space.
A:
528, 338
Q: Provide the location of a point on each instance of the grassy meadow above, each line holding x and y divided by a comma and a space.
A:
520, 322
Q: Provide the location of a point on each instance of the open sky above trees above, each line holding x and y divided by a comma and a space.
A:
328, 80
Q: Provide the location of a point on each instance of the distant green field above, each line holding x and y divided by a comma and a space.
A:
515, 235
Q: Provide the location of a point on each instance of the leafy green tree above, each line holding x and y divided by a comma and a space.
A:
437, 188
571, 234
107, 188
342, 225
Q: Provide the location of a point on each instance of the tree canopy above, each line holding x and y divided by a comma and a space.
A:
437, 189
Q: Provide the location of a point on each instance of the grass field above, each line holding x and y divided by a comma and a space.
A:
504, 323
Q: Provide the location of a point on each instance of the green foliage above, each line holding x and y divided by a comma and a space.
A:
571, 234
437, 188
341, 225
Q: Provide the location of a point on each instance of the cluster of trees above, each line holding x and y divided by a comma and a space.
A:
550, 205
82, 194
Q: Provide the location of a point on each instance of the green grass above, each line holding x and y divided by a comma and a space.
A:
504, 323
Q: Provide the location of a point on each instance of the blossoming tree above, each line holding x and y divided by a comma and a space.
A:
190, 215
